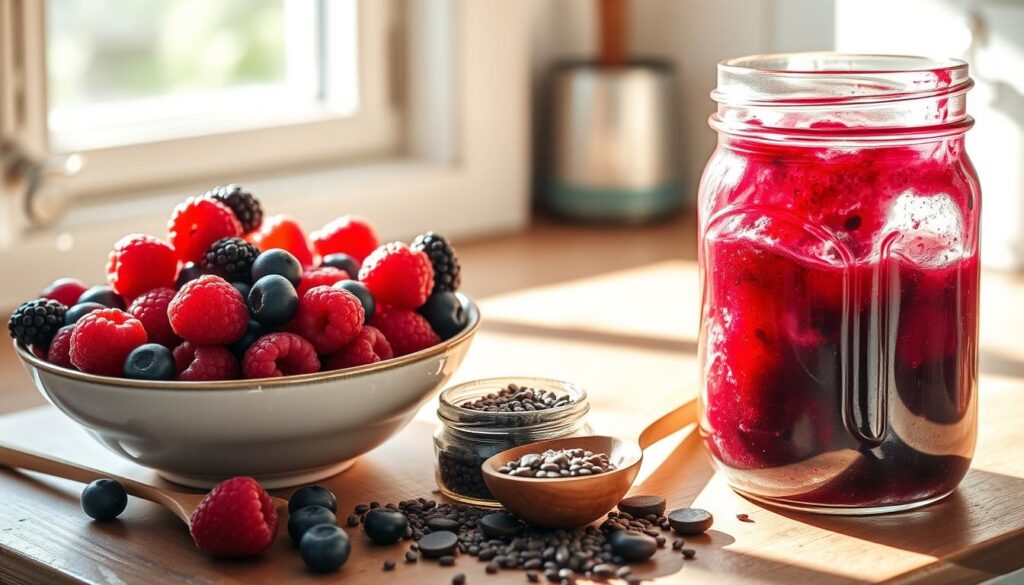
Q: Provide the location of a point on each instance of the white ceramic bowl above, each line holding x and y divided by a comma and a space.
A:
282, 431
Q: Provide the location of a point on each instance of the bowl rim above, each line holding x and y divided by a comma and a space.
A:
262, 383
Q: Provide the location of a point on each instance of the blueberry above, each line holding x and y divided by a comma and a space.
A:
242, 288
277, 261
190, 271
103, 295
362, 293
324, 548
385, 526
80, 310
342, 262
305, 518
104, 499
445, 313
253, 332
312, 495
150, 361
273, 300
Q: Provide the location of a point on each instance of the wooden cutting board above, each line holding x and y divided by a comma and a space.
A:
634, 368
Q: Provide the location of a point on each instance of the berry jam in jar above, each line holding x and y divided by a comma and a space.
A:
839, 272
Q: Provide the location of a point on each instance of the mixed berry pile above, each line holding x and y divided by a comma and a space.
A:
232, 293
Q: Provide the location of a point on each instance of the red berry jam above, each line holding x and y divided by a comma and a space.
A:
840, 291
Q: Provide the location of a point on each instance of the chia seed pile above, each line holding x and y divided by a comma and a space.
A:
506, 543
515, 398
554, 464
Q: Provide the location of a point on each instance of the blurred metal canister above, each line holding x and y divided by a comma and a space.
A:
612, 147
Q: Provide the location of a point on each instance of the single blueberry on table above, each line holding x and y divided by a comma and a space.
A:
150, 361
103, 295
313, 495
104, 499
273, 300
342, 262
362, 293
305, 518
81, 310
277, 261
385, 526
324, 548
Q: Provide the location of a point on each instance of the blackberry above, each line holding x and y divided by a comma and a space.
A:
36, 322
246, 207
231, 259
442, 258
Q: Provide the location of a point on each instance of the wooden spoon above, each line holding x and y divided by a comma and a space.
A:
575, 501
180, 503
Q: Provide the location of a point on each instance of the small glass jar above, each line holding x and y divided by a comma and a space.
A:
467, 437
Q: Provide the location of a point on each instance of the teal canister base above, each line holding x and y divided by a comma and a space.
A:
613, 204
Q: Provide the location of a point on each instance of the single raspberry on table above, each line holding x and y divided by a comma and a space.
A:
328, 317
139, 263
64, 290
197, 223
323, 276
59, 353
208, 311
282, 231
406, 330
151, 308
398, 276
279, 354
349, 234
245, 207
236, 519
369, 347
103, 339
196, 363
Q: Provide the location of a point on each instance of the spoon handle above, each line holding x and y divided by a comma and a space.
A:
670, 423
23, 459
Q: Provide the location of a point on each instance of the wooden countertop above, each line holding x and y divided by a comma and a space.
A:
545, 296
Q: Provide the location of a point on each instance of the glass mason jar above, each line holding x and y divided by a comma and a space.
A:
466, 438
839, 271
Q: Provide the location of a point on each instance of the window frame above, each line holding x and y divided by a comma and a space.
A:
463, 169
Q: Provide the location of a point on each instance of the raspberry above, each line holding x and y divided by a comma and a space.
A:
407, 331
447, 271
205, 362
236, 519
231, 258
197, 223
64, 290
103, 339
349, 234
151, 308
208, 311
281, 231
242, 203
279, 354
398, 276
139, 263
370, 346
328, 317
36, 322
59, 353
323, 276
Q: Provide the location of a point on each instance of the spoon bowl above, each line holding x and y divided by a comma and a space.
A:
569, 502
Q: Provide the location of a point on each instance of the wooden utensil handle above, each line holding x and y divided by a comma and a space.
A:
670, 423
22, 459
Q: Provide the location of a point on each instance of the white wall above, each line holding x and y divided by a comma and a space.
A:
694, 35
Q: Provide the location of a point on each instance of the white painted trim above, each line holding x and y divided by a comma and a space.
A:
484, 190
